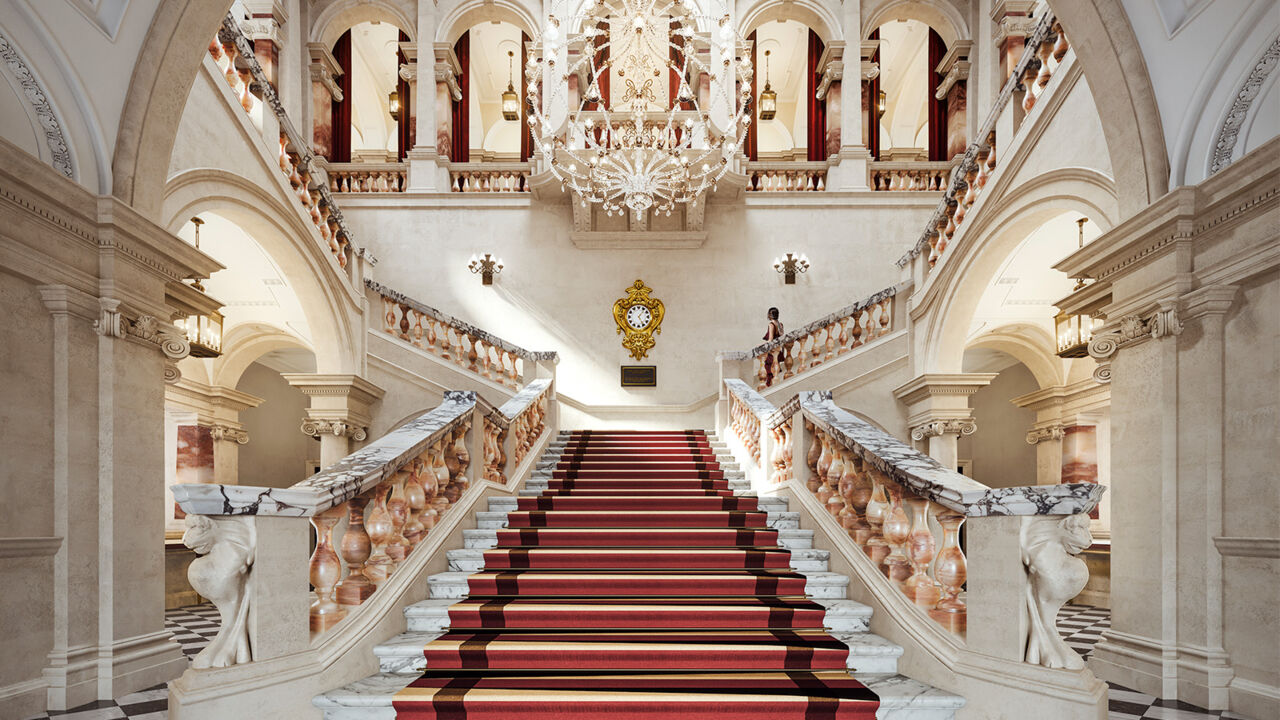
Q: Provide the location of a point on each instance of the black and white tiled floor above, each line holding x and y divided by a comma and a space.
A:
194, 626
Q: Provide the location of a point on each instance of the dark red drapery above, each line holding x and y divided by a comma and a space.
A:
937, 108
817, 108
873, 104
526, 133
404, 124
461, 138
751, 147
341, 111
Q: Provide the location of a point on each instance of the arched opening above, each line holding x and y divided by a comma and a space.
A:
369, 115
790, 122
906, 121
494, 52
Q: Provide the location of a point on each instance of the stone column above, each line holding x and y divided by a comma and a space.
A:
938, 410
409, 73
1048, 442
263, 28
340, 411
955, 70
324, 92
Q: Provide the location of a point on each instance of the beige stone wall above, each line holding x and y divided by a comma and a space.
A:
278, 454
999, 450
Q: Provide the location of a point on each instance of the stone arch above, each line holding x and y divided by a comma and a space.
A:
176, 43
245, 344
815, 15
332, 312
1028, 345
1112, 61
469, 14
953, 294
943, 17
339, 17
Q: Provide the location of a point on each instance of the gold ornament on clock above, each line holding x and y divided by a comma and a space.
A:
639, 318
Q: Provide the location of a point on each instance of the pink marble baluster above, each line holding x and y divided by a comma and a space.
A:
897, 530
920, 549
378, 567
950, 569
355, 588
326, 570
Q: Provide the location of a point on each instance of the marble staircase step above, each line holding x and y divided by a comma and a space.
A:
488, 538
818, 584
779, 521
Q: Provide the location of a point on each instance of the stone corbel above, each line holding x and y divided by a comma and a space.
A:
240, 436
324, 68
226, 546
955, 67
409, 72
834, 72
1133, 329
1050, 546
1012, 18
938, 428
1044, 434
147, 329
447, 70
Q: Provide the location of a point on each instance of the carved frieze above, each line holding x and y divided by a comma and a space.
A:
1229, 132
38, 100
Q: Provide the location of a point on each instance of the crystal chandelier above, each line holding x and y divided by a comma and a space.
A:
633, 133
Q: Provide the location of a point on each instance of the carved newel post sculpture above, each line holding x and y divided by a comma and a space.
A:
221, 573
1050, 544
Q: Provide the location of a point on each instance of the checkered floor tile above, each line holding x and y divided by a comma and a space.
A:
194, 626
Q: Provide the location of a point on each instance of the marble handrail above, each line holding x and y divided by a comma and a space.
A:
747, 409
233, 52
455, 340
523, 419
1044, 51
356, 473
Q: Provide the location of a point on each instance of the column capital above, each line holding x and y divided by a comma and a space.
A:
954, 67
447, 69
229, 433
939, 428
324, 68
1133, 329
340, 403
1043, 434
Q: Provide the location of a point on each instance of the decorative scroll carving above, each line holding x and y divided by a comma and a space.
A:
222, 573
240, 436
937, 428
1050, 545
38, 99
337, 428
171, 341
1039, 435
1104, 346
1229, 133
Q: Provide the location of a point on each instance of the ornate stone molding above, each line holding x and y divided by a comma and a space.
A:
1044, 434
226, 547
323, 68
1055, 574
409, 72
869, 70
1133, 329
38, 99
833, 73
337, 428
446, 75
1229, 132
938, 428
146, 328
240, 436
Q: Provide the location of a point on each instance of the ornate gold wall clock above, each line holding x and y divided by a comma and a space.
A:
639, 318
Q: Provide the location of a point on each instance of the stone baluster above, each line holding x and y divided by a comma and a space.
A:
482, 354
415, 501
855, 488
876, 547
950, 569
398, 507
824, 461
442, 501
788, 468
462, 456
921, 548
443, 336
886, 315
355, 588
897, 531
326, 571
834, 501
378, 567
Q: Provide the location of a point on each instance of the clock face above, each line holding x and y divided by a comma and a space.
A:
638, 317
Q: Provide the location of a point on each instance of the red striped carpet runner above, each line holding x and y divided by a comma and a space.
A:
636, 587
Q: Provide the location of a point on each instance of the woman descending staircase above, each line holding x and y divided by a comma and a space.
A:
630, 581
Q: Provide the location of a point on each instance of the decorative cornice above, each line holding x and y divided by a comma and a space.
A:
1229, 132
29, 547
938, 428
1039, 435
936, 384
38, 99
1248, 547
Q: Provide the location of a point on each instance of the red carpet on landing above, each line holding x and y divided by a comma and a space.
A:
636, 587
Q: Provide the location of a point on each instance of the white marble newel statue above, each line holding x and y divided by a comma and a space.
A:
1050, 544
221, 573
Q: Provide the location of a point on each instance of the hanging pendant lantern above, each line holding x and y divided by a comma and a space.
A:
768, 98
510, 100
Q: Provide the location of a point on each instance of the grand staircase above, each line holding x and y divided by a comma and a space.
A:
636, 577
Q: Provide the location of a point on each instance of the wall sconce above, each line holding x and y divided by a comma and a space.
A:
393, 105
486, 266
790, 265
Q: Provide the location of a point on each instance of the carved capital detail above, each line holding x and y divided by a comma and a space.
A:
337, 428
833, 73
1133, 329
446, 75
1039, 435
240, 436
938, 428
168, 338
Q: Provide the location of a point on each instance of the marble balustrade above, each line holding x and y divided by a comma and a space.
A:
1045, 49
453, 340
910, 176
903, 511
513, 430
823, 340
786, 176
233, 53
365, 177
490, 177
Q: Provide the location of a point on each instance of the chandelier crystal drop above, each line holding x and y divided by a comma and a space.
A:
615, 107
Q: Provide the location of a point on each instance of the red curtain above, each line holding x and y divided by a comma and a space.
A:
873, 104
341, 111
461, 151
937, 108
751, 146
677, 61
526, 132
404, 125
817, 108
602, 57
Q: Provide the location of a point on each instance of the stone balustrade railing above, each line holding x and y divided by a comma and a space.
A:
822, 340
786, 176
454, 340
370, 512
745, 421
365, 177
903, 512
233, 54
490, 177
1044, 53
910, 176
514, 429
